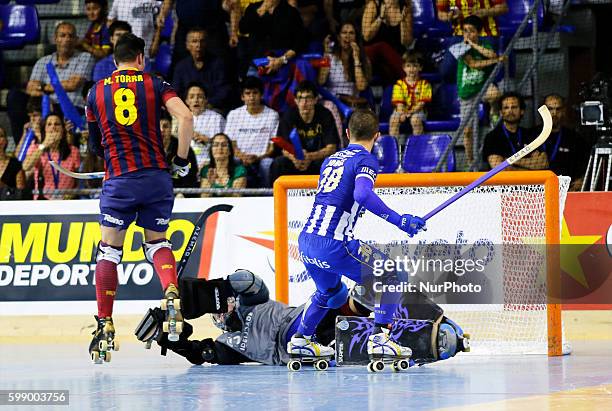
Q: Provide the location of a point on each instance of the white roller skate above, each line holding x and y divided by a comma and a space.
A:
306, 350
103, 341
171, 305
383, 350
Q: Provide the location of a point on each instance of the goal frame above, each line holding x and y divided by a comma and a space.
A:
552, 231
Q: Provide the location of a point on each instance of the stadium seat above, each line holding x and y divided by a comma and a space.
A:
163, 60
19, 26
517, 10
425, 22
423, 152
386, 151
443, 111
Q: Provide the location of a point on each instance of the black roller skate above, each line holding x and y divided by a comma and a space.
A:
171, 305
103, 341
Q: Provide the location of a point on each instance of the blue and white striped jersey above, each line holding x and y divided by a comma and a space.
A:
335, 211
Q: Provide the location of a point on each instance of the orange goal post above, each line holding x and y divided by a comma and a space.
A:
509, 208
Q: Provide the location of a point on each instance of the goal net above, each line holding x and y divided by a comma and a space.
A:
517, 215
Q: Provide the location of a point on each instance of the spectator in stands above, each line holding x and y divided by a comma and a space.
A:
455, 12
203, 67
11, 173
315, 127
567, 153
105, 67
223, 171
205, 14
237, 39
509, 137
34, 110
206, 122
315, 22
410, 95
387, 30
97, 37
473, 69
171, 147
273, 25
349, 71
73, 68
346, 11
251, 127
55, 147
141, 16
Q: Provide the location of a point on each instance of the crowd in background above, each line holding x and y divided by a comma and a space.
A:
253, 70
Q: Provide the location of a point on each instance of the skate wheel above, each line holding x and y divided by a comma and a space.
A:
370, 368
173, 337
177, 303
294, 365
164, 304
148, 345
378, 366
403, 365
95, 357
321, 365
103, 345
165, 326
395, 367
115, 345
107, 356
179, 327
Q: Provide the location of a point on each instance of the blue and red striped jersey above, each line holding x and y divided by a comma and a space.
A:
127, 107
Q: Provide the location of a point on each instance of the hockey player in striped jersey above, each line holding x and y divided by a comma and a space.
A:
327, 247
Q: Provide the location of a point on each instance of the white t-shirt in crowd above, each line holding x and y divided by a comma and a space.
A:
337, 82
141, 16
207, 123
252, 133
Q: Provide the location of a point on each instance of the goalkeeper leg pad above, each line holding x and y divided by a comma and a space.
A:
200, 296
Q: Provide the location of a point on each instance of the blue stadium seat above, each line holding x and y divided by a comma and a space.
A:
20, 26
423, 152
517, 10
443, 113
425, 22
166, 32
33, 2
163, 60
386, 151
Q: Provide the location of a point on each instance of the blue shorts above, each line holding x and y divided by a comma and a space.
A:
327, 260
144, 195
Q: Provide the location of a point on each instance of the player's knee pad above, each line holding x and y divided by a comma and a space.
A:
451, 339
338, 296
250, 287
108, 253
152, 247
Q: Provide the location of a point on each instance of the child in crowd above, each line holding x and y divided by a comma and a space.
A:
409, 97
475, 61
97, 37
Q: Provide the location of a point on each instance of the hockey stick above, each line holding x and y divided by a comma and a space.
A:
546, 129
200, 226
80, 176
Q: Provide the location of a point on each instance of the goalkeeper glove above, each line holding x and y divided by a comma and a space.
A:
411, 224
180, 167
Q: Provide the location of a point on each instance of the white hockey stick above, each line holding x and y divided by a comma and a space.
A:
546, 129
79, 176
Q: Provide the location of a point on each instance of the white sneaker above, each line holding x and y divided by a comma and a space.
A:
382, 345
306, 347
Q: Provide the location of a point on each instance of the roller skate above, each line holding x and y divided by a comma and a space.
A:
383, 350
307, 351
103, 341
173, 319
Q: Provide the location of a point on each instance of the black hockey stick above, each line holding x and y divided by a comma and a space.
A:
199, 227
